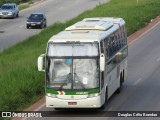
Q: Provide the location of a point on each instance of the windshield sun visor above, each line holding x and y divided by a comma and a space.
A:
60, 50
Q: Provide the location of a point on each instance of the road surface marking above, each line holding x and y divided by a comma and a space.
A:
137, 81
144, 33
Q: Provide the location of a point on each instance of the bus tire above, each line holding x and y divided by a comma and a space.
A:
106, 99
121, 81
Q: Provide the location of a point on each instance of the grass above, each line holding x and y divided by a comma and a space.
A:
13, 1
24, 5
22, 84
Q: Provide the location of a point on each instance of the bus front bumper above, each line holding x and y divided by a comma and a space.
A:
94, 102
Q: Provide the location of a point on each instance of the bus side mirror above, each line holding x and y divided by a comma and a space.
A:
102, 62
40, 62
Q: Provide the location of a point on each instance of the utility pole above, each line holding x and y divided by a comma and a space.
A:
137, 1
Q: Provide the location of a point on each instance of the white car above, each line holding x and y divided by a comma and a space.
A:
9, 10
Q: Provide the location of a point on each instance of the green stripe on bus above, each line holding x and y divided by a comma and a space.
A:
85, 92
48, 90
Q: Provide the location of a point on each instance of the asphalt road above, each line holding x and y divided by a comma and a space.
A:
13, 31
141, 90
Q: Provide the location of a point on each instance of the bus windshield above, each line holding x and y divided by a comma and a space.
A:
68, 71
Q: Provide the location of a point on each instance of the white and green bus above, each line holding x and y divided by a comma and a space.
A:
85, 64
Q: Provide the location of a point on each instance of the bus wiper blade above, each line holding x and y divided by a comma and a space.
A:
69, 77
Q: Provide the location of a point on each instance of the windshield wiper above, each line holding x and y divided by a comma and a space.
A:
69, 77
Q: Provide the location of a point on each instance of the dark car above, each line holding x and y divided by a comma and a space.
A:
36, 20
9, 10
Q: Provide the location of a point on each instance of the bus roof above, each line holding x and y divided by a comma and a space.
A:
89, 30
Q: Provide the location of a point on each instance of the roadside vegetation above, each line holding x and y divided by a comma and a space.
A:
22, 4
20, 82
13, 1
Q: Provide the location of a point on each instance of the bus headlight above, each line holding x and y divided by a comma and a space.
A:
93, 95
51, 95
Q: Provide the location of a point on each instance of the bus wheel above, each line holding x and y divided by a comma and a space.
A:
121, 81
106, 99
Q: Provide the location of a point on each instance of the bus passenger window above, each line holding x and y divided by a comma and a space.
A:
102, 46
106, 45
125, 53
102, 79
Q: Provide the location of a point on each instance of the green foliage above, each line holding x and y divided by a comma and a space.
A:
13, 1
20, 81
23, 6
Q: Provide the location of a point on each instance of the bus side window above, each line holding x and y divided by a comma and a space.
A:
102, 79
114, 46
111, 47
102, 46
116, 42
121, 40
125, 52
111, 64
125, 38
106, 44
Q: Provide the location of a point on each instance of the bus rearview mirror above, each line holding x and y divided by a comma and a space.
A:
41, 62
102, 62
